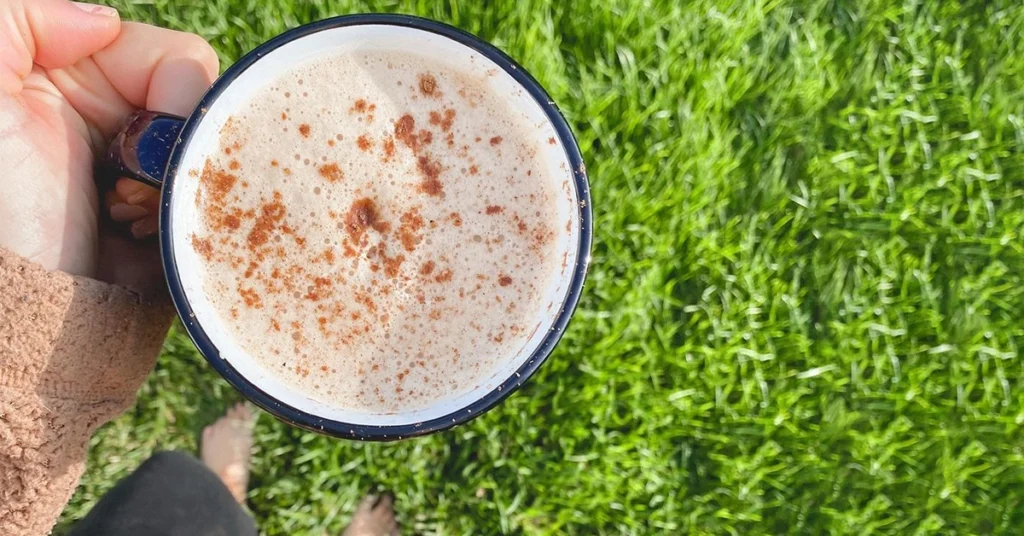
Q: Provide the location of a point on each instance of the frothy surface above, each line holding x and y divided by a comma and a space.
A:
377, 231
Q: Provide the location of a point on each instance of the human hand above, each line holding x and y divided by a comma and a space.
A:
70, 73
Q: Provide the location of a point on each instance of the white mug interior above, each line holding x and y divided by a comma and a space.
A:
205, 139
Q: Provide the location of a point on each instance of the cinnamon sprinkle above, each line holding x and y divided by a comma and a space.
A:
428, 85
444, 119
331, 172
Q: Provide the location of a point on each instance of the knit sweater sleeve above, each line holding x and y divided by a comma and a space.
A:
73, 353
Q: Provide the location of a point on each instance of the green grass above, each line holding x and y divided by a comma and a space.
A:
806, 307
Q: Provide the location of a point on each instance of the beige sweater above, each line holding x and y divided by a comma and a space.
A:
73, 352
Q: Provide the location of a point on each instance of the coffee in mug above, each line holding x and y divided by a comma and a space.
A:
373, 226
377, 231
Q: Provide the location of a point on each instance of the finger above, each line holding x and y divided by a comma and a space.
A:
152, 205
126, 261
158, 69
145, 67
123, 212
51, 33
131, 201
134, 192
145, 227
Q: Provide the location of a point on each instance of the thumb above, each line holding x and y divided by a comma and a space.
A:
51, 33
64, 32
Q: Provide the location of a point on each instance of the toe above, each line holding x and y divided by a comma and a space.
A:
366, 505
385, 503
242, 415
384, 512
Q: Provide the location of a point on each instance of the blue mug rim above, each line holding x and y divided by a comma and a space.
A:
371, 432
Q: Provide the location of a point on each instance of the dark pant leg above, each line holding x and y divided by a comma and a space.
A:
170, 494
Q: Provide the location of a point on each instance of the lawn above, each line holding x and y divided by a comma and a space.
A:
805, 312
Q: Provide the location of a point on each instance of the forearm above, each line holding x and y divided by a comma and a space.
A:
73, 352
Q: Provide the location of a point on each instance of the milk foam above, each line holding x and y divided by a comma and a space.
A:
377, 231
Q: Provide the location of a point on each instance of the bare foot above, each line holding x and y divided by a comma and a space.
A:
374, 517
226, 447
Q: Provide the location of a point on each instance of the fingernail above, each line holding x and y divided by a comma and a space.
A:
137, 198
126, 212
143, 228
132, 191
96, 9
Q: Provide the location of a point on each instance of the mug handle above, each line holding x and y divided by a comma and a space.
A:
142, 149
